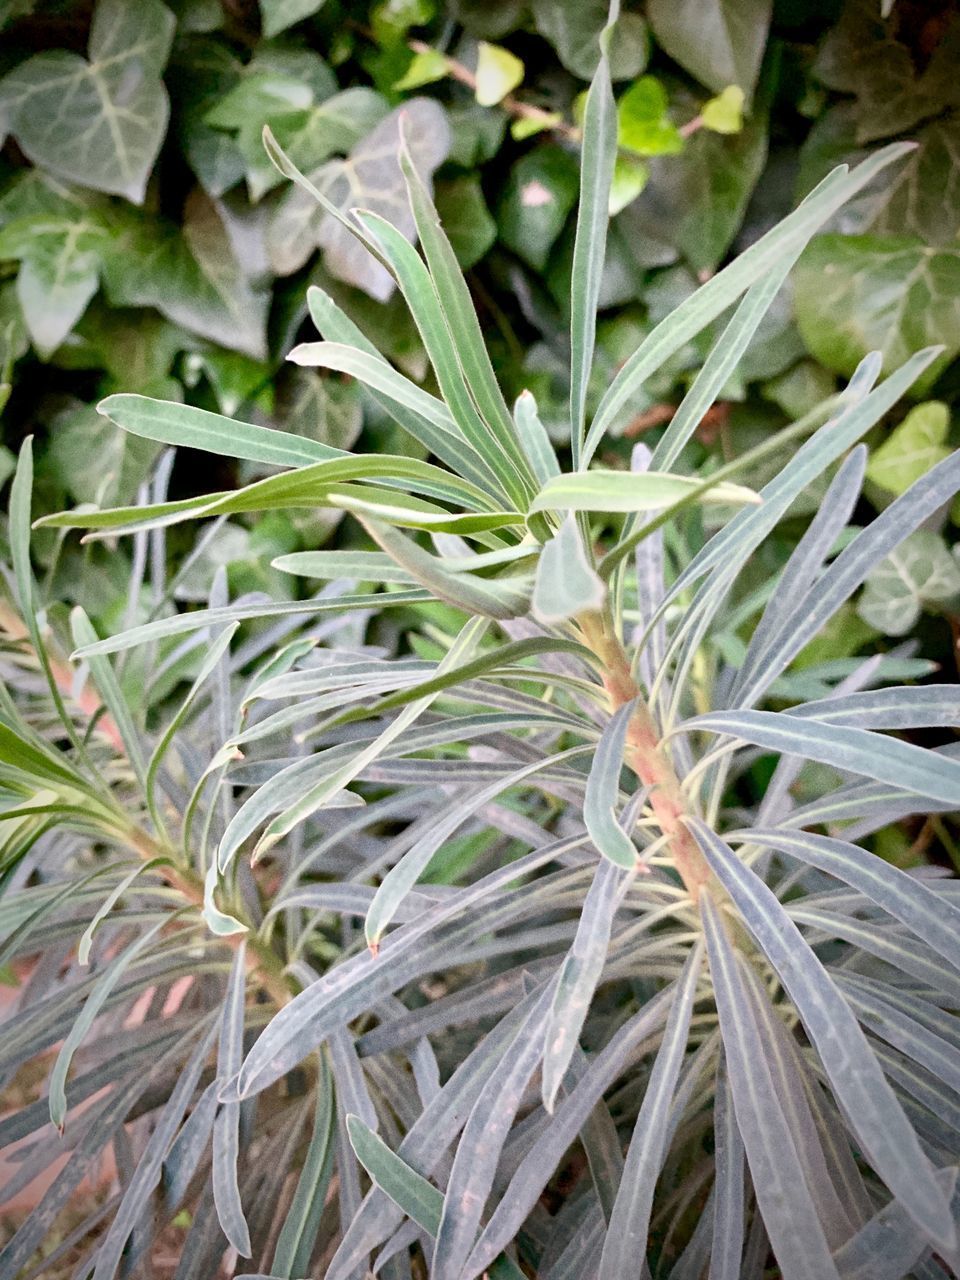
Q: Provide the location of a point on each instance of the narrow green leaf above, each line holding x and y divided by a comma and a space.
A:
462, 318
226, 1127
109, 902
603, 791
302, 1222
108, 686
421, 296
184, 425
534, 439
714, 297
488, 597
633, 491
598, 156
95, 1001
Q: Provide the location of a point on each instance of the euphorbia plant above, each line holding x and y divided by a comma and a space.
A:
579, 939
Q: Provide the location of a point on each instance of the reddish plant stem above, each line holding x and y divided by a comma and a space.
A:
645, 754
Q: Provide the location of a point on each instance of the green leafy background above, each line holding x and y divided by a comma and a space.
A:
147, 244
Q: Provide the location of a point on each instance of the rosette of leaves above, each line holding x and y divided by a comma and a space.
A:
608, 1013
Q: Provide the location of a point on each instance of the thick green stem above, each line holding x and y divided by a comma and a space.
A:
644, 752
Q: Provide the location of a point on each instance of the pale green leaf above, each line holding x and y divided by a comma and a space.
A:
498, 72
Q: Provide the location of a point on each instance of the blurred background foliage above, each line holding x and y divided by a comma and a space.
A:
147, 244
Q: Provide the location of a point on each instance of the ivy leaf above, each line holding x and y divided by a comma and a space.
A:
465, 218
643, 125
856, 294
100, 122
277, 15
59, 271
916, 445
861, 55
498, 71
202, 72
919, 573
629, 178
696, 201
194, 279
724, 113
540, 192
574, 31
426, 67
914, 201
323, 409
720, 42
95, 460
369, 178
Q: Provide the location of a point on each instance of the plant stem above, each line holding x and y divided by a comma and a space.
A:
644, 752
263, 964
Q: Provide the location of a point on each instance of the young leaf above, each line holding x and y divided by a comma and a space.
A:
498, 72
566, 582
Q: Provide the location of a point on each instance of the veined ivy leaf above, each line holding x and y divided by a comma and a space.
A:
643, 123
856, 294
720, 42
100, 122
918, 444
369, 178
297, 97
863, 56
574, 31
921, 571
201, 72
915, 200
277, 15
498, 72
539, 194
194, 279
59, 270
323, 409
95, 460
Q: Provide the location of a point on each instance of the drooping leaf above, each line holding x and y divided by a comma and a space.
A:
193, 278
